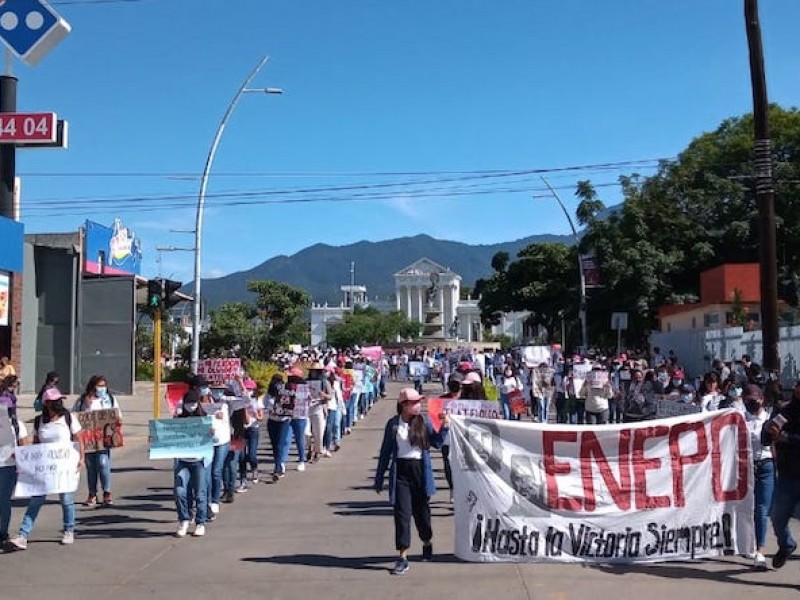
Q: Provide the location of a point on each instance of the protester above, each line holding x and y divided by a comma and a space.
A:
6, 368
764, 468
191, 482
509, 384
472, 387
453, 392
405, 451
252, 433
221, 425
233, 468
299, 420
280, 406
783, 430
8, 468
317, 411
335, 402
98, 463
712, 397
640, 401
50, 380
54, 425
596, 400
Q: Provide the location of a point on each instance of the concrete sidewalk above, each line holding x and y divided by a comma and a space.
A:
320, 534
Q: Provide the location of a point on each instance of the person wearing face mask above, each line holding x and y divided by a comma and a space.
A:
509, 383
405, 451
675, 382
733, 398
763, 467
711, 398
98, 464
662, 376
191, 483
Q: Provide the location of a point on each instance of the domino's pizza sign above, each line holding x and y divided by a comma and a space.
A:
30, 28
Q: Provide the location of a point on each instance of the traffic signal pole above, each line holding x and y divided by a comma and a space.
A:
156, 363
8, 152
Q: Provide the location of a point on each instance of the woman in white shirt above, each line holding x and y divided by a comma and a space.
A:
332, 387
54, 425
98, 464
712, 397
764, 468
509, 383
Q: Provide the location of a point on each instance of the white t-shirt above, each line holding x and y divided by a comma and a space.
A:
404, 448
755, 423
97, 404
7, 452
221, 426
58, 431
256, 404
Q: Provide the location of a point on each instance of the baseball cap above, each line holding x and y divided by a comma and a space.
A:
295, 372
52, 394
409, 395
471, 377
753, 391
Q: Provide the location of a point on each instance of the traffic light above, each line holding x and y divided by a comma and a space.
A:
155, 294
170, 288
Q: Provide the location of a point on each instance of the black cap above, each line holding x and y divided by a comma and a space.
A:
198, 381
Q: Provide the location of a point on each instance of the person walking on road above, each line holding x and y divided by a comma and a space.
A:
54, 425
405, 451
191, 483
763, 468
98, 464
8, 468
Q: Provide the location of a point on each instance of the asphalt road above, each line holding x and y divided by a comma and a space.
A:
320, 534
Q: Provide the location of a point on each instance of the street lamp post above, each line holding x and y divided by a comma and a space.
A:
582, 276
201, 200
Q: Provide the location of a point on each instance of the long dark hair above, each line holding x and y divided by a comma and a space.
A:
50, 380
473, 391
93, 381
53, 410
417, 430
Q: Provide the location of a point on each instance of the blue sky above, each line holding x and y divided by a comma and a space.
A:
408, 106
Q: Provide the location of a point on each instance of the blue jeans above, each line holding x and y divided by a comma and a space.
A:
332, 433
299, 431
280, 440
505, 405
784, 499
230, 471
352, 402
251, 439
541, 407
98, 465
215, 472
8, 479
36, 503
764, 486
190, 489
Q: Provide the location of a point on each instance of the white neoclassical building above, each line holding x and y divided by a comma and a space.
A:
429, 293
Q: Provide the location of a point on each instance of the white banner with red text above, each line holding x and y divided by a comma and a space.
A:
672, 489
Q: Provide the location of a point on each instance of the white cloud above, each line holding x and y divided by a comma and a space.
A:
410, 206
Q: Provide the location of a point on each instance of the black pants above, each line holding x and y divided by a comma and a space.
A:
448, 473
410, 498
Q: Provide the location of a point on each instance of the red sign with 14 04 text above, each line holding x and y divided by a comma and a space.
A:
31, 128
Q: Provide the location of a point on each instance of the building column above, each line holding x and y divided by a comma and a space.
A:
421, 301
408, 302
397, 297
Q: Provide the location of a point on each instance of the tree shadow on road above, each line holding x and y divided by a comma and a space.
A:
693, 571
358, 563
361, 509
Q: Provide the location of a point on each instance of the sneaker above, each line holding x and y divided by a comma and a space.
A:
276, 477
400, 567
254, 478
199, 530
19, 542
68, 538
781, 555
214, 508
4, 539
107, 499
183, 529
211, 517
427, 552
759, 562
242, 488
301, 466
326, 453
91, 500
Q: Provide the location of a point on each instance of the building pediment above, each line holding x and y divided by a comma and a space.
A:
423, 266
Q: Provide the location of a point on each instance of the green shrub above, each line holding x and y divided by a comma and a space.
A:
177, 374
261, 372
144, 370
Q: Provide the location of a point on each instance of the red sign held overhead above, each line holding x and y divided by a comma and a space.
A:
28, 128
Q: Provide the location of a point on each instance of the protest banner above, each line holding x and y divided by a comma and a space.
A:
466, 408
536, 355
674, 489
417, 369
189, 437
374, 353
101, 429
597, 379
174, 395
47, 469
302, 398
219, 371
670, 407
8, 440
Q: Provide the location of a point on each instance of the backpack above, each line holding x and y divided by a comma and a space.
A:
67, 417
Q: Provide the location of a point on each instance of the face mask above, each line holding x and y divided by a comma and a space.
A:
677, 382
753, 406
735, 392
415, 409
508, 373
190, 408
687, 398
205, 391
101, 391
663, 377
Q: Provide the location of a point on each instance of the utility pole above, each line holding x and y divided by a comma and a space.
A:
156, 363
765, 191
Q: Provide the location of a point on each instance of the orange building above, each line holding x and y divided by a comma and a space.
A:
718, 289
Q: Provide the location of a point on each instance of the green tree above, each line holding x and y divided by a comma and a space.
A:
283, 309
368, 326
234, 327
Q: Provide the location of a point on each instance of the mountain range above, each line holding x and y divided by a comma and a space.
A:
321, 269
